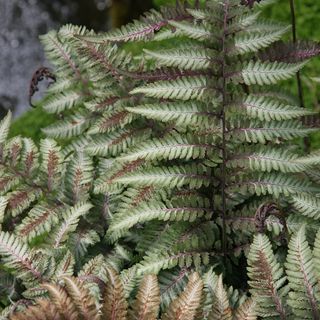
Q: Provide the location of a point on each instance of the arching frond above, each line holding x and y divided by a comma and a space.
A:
198, 59
307, 205
182, 211
221, 308
186, 305
140, 30
182, 89
82, 298
257, 132
193, 31
267, 279
39, 220
61, 102
268, 109
146, 306
172, 147
301, 275
69, 223
266, 73
183, 114
155, 262
16, 255
267, 160
247, 311
61, 301
71, 126
4, 128
275, 184
194, 176
116, 142
79, 177
114, 304
252, 42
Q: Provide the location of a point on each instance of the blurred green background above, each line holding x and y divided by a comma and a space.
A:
307, 16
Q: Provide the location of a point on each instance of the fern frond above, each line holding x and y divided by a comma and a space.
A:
61, 102
3, 205
267, 160
267, 279
186, 305
29, 157
307, 205
182, 89
172, 283
62, 302
60, 51
301, 276
114, 304
66, 266
111, 121
257, 132
268, 109
146, 305
252, 42
194, 176
79, 177
247, 311
150, 211
82, 299
80, 241
276, 185
139, 30
266, 73
290, 52
21, 198
4, 128
70, 221
117, 142
184, 114
312, 159
185, 59
71, 126
7, 182
43, 311
316, 256
16, 255
39, 220
94, 267
221, 308
51, 162
171, 147
111, 172
154, 262
192, 31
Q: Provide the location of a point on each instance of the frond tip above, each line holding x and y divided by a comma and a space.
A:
267, 279
146, 306
186, 305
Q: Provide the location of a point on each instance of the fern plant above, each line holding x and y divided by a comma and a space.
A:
171, 161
